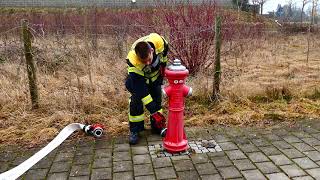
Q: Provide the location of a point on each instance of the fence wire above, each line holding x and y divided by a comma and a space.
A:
55, 50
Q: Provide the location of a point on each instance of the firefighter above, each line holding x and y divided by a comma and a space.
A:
146, 62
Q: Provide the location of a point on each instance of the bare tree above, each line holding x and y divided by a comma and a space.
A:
304, 3
239, 4
260, 3
314, 10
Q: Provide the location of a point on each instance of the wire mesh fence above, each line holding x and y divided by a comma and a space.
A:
86, 51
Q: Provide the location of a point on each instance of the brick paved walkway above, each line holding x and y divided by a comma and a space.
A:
248, 153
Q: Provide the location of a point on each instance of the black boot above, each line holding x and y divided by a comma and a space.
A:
133, 138
135, 128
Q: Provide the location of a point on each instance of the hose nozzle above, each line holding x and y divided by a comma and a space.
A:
95, 130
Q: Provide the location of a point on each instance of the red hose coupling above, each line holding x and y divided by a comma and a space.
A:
95, 130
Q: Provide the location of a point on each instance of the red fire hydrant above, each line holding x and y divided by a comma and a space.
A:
175, 139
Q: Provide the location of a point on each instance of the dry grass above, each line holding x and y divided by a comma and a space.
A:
271, 83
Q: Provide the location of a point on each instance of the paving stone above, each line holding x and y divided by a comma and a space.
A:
165, 173
142, 142
311, 141
280, 132
4, 166
206, 168
68, 156
253, 174
188, 175
234, 133
200, 158
272, 137
241, 140
156, 143
248, 148
314, 155
257, 157
123, 175
216, 154
103, 144
79, 178
317, 136
280, 160
80, 170
7, 156
153, 137
281, 145
121, 156
121, 148
58, 176
292, 153
149, 177
85, 142
221, 161
221, 138
270, 150
301, 134
277, 176
260, 142
293, 170
60, 167
229, 172
244, 164
103, 153
67, 148
305, 163
303, 178
42, 164
251, 135
85, 159
310, 130
292, 139
101, 173
121, 140
228, 146
34, 174
122, 166
143, 169
141, 159
235, 154
183, 165
139, 150
178, 158
102, 163
302, 147
19, 160
161, 162
211, 177
267, 167
84, 151
314, 173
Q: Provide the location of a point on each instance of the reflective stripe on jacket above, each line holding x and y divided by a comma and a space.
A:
141, 76
151, 72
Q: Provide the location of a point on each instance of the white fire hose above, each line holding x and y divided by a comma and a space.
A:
95, 130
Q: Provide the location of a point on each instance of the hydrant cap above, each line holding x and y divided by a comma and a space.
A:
177, 66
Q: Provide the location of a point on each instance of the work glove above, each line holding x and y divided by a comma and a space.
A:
159, 121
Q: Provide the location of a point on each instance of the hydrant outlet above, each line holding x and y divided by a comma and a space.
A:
190, 92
